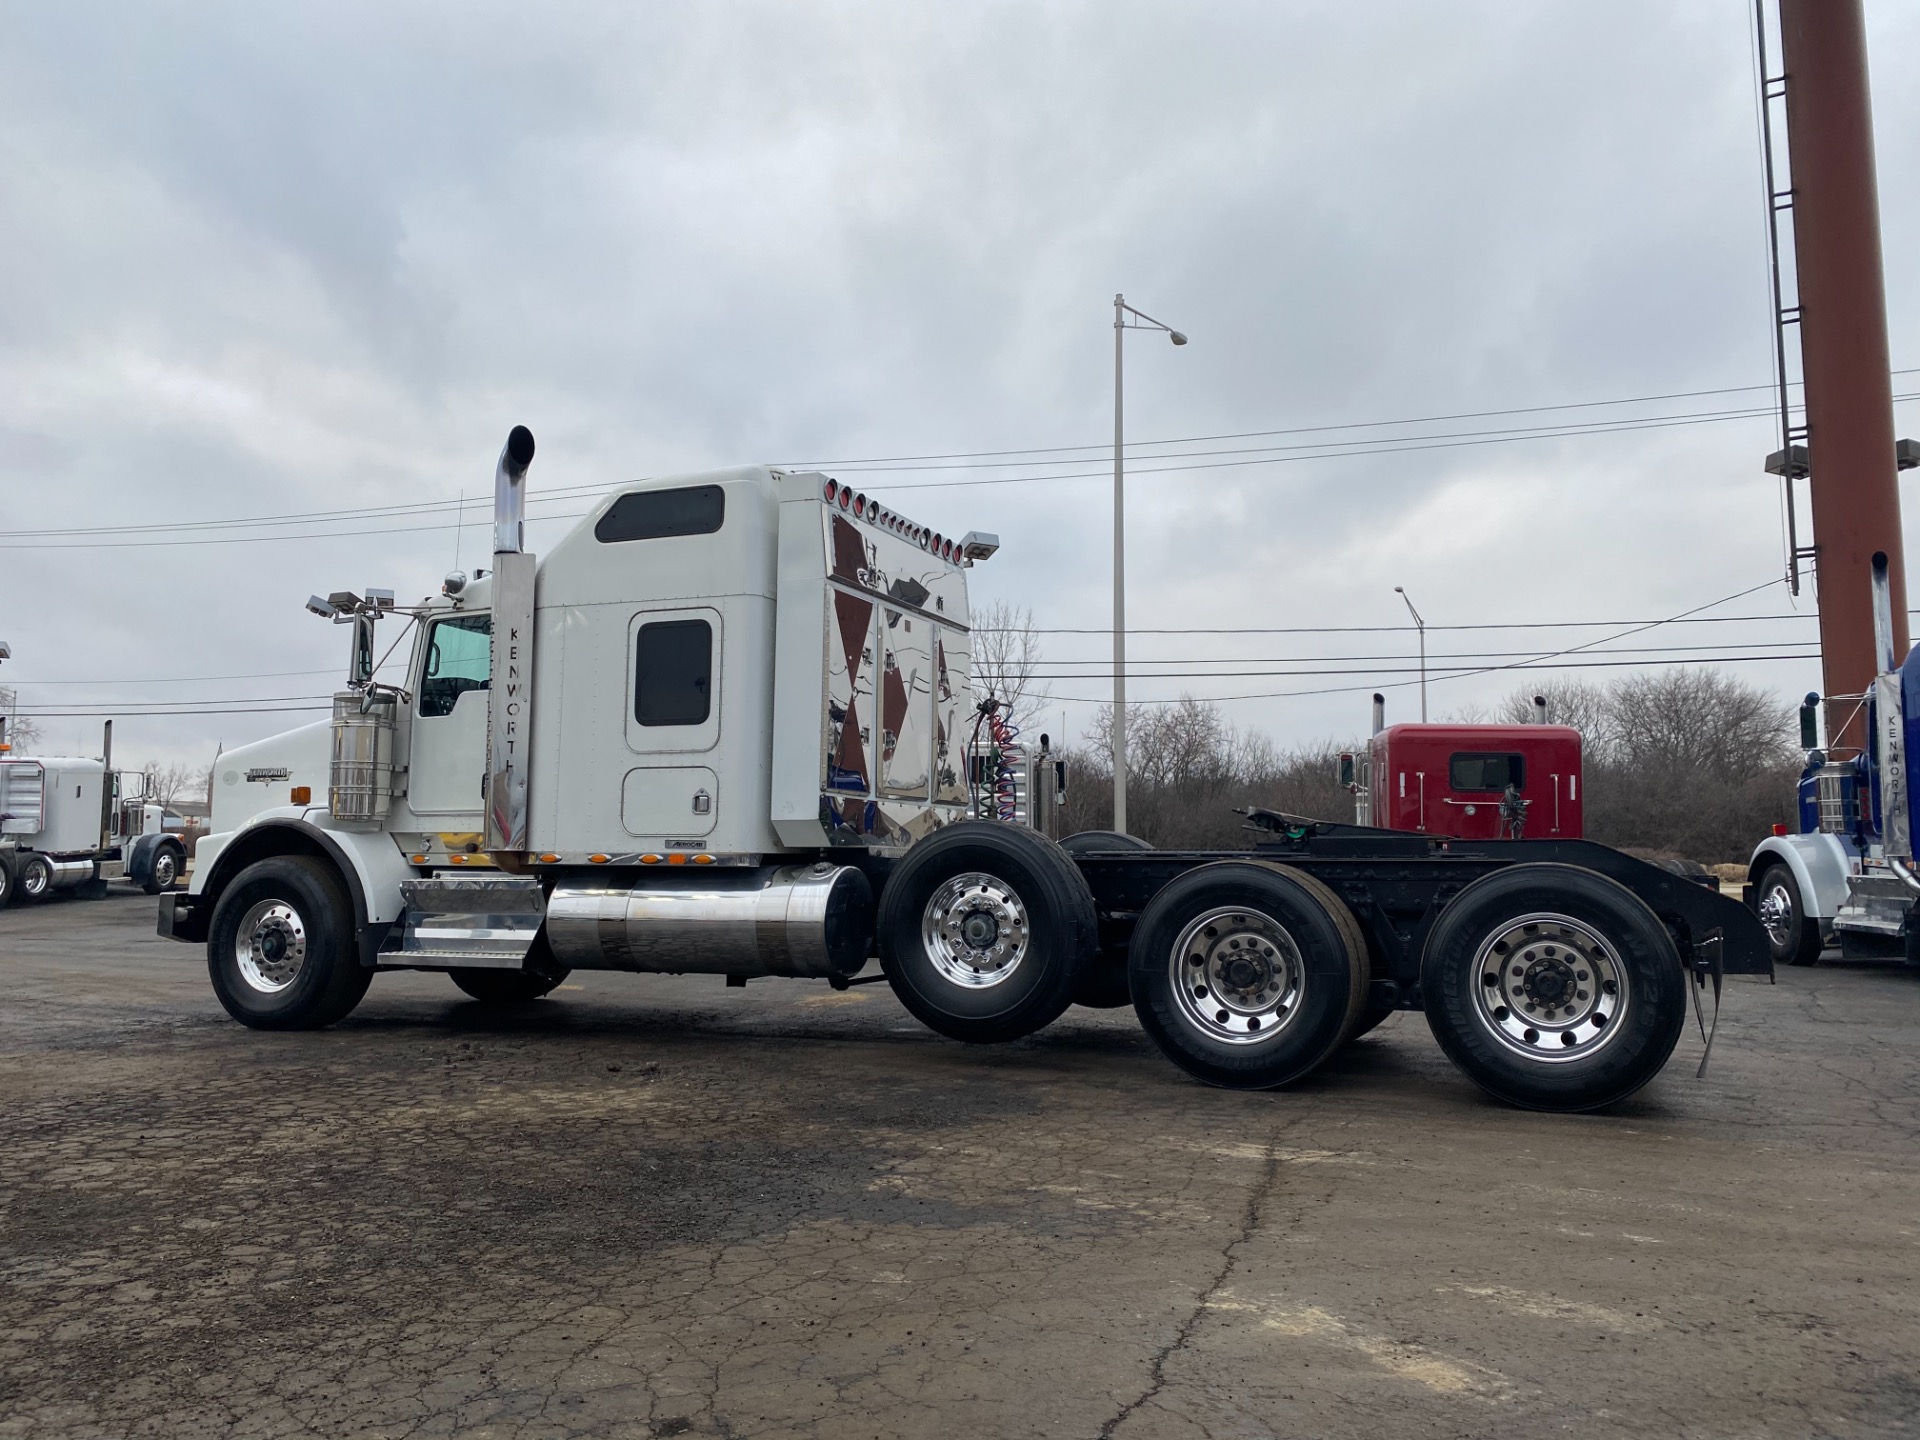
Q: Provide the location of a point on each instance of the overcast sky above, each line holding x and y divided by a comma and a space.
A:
262, 261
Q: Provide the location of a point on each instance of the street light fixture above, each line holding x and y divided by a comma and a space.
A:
1121, 324
1420, 625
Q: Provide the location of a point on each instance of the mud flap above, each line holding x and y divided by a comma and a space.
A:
1707, 964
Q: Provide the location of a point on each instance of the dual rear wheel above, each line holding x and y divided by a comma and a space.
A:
1552, 987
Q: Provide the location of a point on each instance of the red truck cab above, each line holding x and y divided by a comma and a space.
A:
1453, 780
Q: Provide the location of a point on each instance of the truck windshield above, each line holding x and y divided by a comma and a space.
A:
459, 659
1487, 772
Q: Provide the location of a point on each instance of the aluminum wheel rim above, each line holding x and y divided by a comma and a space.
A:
163, 870
1776, 913
35, 879
1237, 976
1549, 987
975, 930
270, 947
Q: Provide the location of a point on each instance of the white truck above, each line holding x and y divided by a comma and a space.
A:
76, 823
725, 727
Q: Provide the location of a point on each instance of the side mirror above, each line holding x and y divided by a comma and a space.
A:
1346, 769
1810, 722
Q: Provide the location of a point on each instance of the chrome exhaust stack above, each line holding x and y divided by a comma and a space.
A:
510, 691
808, 921
1379, 713
1883, 657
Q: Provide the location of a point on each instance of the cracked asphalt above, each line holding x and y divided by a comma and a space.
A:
652, 1206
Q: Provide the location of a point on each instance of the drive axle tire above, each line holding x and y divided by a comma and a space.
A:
1553, 987
280, 949
985, 931
7, 883
1792, 936
169, 864
33, 878
1248, 975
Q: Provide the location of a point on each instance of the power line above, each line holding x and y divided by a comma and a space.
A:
1324, 450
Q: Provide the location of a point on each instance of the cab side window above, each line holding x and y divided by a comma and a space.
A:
459, 659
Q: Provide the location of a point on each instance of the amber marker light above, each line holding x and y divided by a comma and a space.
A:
676, 858
419, 859
302, 795
549, 859
703, 860
649, 859
598, 859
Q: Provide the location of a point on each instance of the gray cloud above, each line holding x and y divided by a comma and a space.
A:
265, 261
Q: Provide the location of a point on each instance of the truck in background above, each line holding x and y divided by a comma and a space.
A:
1469, 782
76, 823
1847, 876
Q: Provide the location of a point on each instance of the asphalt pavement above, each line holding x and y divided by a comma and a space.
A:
654, 1206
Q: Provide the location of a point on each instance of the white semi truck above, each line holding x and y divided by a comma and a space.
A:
76, 823
725, 727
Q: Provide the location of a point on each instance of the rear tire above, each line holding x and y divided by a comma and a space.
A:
985, 931
280, 949
33, 878
1554, 988
1248, 975
1792, 936
7, 883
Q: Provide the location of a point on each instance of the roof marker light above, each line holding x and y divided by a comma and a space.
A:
846, 498
833, 491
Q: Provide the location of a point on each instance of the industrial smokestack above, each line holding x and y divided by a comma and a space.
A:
1539, 709
509, 492
1843, 341
1379, 713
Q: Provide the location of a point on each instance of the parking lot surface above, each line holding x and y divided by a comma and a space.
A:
653, 1206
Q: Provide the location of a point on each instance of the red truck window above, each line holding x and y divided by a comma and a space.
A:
1474, 771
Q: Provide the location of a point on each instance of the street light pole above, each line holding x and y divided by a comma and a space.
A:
1421, 626
1121, 324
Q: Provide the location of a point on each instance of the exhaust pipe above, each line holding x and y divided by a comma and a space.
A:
1379, 713
1539, 709
510, 691
509, 492
1883, 657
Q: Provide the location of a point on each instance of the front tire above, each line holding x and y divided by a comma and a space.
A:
280, 949
985, 931
1554, 988
1248, 975
1792, 936
169, 863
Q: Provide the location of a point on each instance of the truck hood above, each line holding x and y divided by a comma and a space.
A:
262, 776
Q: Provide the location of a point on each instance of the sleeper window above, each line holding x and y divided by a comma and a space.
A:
1487, 772
459, 658
673, 673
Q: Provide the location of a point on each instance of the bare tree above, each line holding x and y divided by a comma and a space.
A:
1587, 708
1006, 656
164, 786
23, 734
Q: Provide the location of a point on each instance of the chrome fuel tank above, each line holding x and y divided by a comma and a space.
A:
802, 920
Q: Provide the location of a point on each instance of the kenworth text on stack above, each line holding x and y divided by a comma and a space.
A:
726, 727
